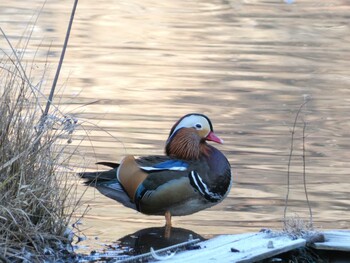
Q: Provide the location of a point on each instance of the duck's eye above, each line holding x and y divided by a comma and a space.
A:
198, 126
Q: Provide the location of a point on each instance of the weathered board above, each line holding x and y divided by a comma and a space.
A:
244, 248
334, 240
239, 248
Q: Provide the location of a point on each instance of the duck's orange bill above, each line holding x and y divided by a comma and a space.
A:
212, 137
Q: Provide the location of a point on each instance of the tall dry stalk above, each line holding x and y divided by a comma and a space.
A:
54, 83
287, 221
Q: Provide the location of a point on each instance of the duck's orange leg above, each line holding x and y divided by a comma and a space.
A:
167, 224
167, 219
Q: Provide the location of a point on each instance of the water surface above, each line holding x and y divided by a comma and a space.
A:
134, 67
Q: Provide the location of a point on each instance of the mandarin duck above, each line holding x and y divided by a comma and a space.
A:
192, 176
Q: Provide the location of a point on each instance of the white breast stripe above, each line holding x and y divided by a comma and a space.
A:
207, 191
193, 175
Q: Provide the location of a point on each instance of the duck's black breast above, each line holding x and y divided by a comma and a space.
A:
219, 178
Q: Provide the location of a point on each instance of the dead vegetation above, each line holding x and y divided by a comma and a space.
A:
37, 196
294, 225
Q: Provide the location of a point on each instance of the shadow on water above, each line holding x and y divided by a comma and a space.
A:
141, 242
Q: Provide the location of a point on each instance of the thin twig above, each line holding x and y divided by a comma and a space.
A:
20, 69
304, 177
290, 159
29, 37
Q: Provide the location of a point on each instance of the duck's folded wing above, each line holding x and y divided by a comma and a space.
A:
150, 176
178, 181
155, 185
163, 189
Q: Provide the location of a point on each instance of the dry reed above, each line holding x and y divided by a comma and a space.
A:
37, 198
295, 226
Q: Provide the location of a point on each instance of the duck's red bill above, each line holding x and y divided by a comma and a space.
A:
212, 137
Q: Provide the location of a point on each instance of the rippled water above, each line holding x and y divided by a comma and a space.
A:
134, 67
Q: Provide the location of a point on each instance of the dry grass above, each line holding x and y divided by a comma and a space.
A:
296, 227
36, 197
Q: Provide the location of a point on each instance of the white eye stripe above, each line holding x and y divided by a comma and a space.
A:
191, 121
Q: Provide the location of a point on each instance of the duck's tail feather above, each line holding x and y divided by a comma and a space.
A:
106, 182
109, 164
95, 177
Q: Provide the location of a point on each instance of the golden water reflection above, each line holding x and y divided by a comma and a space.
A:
134, 67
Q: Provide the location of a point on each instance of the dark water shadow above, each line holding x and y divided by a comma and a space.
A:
141, 241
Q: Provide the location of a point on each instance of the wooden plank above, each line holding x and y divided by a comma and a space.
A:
249, 247
334, 240
279, 248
